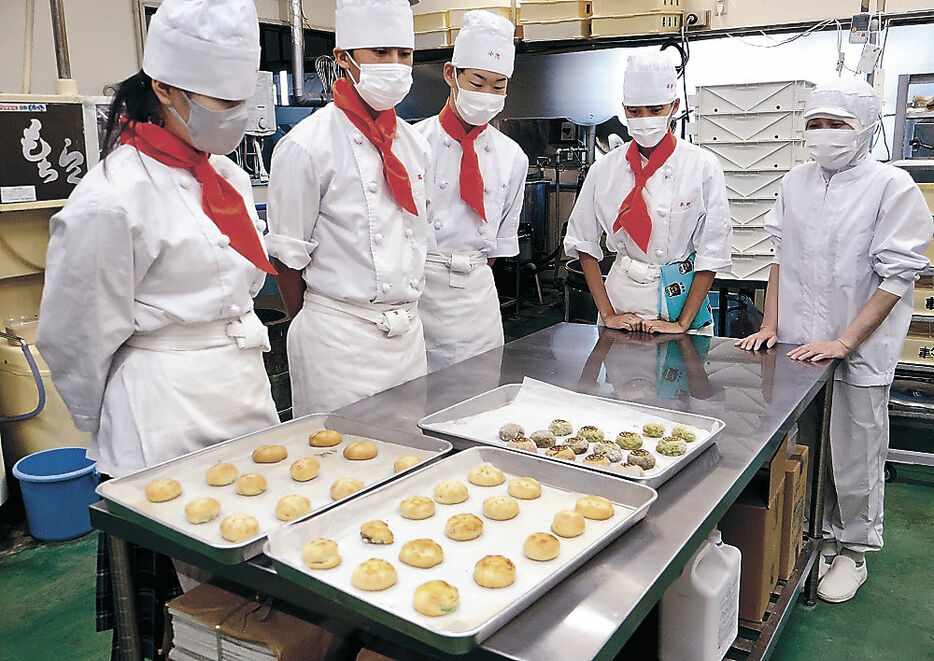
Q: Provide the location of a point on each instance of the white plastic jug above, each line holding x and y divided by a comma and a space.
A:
699, 613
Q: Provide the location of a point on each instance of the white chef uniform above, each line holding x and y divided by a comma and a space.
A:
460, 306
840, 236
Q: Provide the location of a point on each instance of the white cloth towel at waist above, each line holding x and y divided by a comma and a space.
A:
641, 272
391, 319
461, 264
247, 332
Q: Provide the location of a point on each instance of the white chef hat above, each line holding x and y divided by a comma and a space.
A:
374, 24
485, 42
209, 47
852, 100
650, 80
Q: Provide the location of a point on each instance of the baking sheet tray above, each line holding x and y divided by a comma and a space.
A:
482, 611
534, 404
126, 495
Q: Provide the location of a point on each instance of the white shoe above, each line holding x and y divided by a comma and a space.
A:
842, 580
826, 556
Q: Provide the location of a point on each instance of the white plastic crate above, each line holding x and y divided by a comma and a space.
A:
753, 185
749, 267
752, 241
750, 213
648, 23
456, 16
430, 21
553, 10
432, 39
759, 127
778, 156
556, 30
623, 7
752, 98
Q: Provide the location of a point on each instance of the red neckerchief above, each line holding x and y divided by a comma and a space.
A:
633, 215
471, 179
219, 199
380, 132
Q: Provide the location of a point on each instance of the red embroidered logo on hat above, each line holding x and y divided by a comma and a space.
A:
494, 55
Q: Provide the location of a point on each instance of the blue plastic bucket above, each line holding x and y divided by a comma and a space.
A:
58, 487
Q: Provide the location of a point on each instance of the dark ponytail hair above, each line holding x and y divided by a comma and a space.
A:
134, 100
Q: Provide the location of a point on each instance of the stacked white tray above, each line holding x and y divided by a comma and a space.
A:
756, 132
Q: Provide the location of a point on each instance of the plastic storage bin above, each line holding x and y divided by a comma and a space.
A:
758, 155
753, 185
649, 23
758, 127
58, 487
553, 10
556, 30
624, 7
750, 213
753, 98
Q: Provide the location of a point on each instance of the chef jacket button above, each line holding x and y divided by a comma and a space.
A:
371, 186
357, 138
442, 185
223, 241
659, 252
386, 286
438, 225
486, 189
447, 142
487, 148
414, 283
409, 233
377, 238
234, 309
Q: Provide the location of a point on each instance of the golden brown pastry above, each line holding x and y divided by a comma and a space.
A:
321, 554
374, 575
376, 532
597, 508
237, 527
568, 523
202, 510
360, 451
417, 508
561, 452
325, 438
463, 527
270, 454
220, 475
291, 507
494, 571
450, 492
436, 598
486, 475
304, 469
526, 488
405, 462
421, 553
500, 508
250, 484
597, 459
344, 487
160, 491
541, 546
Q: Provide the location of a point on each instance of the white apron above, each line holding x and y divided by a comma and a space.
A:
183, 388
341, 352
459, 308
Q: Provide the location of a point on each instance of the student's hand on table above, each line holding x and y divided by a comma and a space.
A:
627, 322
764, 339
661, 326
817, 351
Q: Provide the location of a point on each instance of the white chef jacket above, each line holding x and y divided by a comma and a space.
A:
504, 167
686, 199
333, 216
838, 241
132, 251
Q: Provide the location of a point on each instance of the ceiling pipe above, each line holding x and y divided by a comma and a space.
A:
64, 85
297, 23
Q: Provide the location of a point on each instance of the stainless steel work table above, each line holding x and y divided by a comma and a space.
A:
594, 612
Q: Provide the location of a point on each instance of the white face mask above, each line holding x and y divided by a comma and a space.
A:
214, 131
835, 149
647, 131
477, 108
383, 86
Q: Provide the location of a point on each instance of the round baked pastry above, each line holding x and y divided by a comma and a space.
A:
541, 546
304, 469
376, 532
494, 571
653, 429
220, 475
590, 434
643, 458
629, 440
685, 433
291, 507
202, 510
561, 452
237, 527
561, 428
631, 470
436, 598
543, 438
321, 554
250, 484
568, 523
450, 492
526, 444
578, 445
269, 454
421, 553
500, 508
596, 459
360, 451
417, 508
526, 488
611, 450
325, 438
374, 575
511, 431
597, 508
405, 462
671, 446
486, 475
160, 491
344, 487
463, 527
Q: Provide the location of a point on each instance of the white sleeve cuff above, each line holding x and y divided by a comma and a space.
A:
897, 285
505, 247
294, 253
715, 264
586, 247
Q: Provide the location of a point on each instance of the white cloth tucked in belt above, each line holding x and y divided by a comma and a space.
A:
641, 272
460, 264
393, 320
247, 332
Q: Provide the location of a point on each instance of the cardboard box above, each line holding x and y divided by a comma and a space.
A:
793, 511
